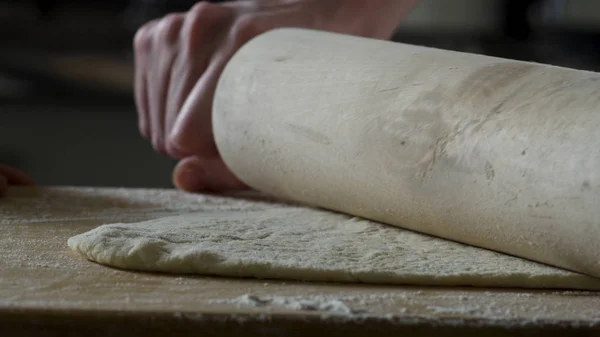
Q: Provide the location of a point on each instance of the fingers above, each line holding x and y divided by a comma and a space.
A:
171, 55
142, 45
15, 176
165, 44
200, 36
181, 84
194, 174
192, 132
179, 75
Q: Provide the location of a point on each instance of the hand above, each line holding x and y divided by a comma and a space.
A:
12, 176
179, 58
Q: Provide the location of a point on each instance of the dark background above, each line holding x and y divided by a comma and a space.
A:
66, 109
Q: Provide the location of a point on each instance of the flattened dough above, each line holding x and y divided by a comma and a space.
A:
297, 243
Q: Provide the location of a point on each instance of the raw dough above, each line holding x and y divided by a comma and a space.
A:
297, 243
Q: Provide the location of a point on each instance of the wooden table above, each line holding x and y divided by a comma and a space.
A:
45, 289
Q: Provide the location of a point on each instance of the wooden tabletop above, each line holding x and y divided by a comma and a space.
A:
45, 289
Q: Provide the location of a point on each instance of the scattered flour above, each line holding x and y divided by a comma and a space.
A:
337, 304
295, 303
454, 310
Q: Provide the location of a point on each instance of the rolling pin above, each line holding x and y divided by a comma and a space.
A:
491, 152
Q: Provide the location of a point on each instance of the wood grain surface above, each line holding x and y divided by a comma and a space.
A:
45, 289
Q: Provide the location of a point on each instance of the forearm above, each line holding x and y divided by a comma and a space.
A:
370, 18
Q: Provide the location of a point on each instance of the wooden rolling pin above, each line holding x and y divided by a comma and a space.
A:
491, 152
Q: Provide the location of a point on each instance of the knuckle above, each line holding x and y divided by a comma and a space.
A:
201, 19
167, 30
245, 28
173, 18
175, 141
198, 20
202, 8
142, 41
174, 151
187, 139
186, 143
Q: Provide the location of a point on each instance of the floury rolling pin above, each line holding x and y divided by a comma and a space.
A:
490, 152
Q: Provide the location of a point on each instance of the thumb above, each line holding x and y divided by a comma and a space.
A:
194, 174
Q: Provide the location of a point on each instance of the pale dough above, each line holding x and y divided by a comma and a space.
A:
297, 243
